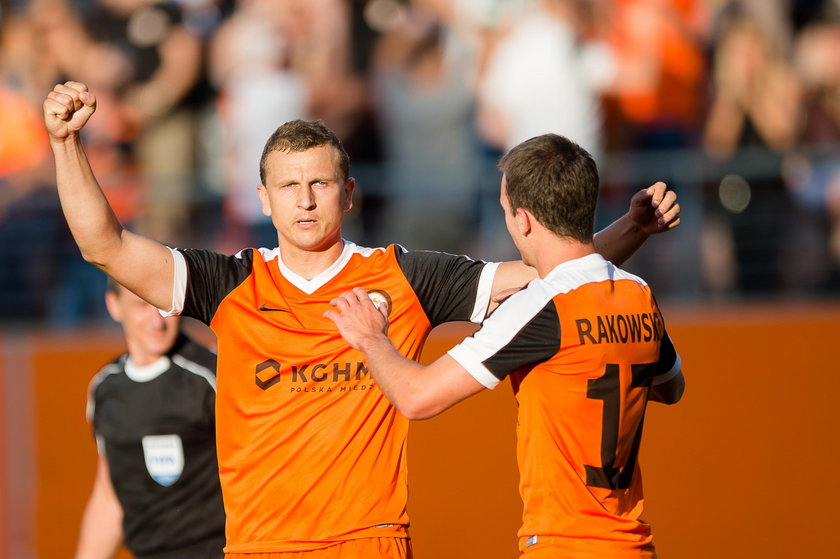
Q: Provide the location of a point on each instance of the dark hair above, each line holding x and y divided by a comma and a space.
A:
301, 135
557, 181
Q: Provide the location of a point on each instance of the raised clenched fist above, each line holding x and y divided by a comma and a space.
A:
67, 109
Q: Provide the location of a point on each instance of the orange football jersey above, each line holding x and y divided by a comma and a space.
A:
583, 346
310, 451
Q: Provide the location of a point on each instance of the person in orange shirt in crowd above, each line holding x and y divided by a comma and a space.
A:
311, 453
585, 348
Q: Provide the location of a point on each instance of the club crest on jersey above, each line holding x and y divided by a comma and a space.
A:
164, 455
380, 298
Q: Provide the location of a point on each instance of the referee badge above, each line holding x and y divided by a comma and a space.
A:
164, 456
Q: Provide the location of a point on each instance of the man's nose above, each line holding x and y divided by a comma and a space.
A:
306, 198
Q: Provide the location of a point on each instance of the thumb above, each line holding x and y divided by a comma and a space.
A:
89, 100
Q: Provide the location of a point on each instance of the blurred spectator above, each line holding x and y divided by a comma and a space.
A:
148, 65
656, 98
752, 123
251, 59
541, 76
30, 217
814, 174
425, 98
342, 97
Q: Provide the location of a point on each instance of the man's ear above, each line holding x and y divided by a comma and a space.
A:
263, 194
113, 305
523, 222
349, 188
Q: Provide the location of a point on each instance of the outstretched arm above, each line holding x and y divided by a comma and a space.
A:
142, 265
417, 391
652, 210
101, 532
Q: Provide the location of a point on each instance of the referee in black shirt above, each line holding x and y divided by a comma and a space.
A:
152, 412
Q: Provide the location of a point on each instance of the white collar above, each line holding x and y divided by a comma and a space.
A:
145, 373
311, 286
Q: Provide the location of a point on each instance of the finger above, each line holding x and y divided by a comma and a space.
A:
667, 202
332, 315
504, 294
62, 97
77, 86
366, 302
360, 294
72, 95
89, 99
56, 109
340, 302
671, 215
670, 197
354, 298
656, 192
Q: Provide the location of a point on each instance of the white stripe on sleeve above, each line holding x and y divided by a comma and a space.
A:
485, 290
179, 284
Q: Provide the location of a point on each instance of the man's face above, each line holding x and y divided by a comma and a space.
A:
306, 197
148, 335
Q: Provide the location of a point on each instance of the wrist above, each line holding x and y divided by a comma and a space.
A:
70, 140
635, 228
375, 342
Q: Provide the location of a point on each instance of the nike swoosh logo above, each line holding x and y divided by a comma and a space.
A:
264, 308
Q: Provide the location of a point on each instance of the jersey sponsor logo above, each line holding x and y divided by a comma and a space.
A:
267, 374
164, 455
301, 377
621, 328
264, 308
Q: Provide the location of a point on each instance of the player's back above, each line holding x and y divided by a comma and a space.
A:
581, 412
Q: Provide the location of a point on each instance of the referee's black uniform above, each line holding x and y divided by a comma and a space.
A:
155, 425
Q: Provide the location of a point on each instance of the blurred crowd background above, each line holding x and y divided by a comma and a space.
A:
735, 104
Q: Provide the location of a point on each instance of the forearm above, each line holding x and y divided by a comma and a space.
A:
89, 216
723, 126
99, 539
100, 535
619, 240
392, 372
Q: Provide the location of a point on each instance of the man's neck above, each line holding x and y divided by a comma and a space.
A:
552, 254
309, 263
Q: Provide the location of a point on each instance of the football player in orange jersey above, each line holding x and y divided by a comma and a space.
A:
298, 415
585, 348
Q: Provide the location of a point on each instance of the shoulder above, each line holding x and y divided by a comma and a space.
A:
243, 258
196, 359
111, 370
103, 383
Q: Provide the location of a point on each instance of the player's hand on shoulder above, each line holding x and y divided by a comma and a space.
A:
67, 109
655, 209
